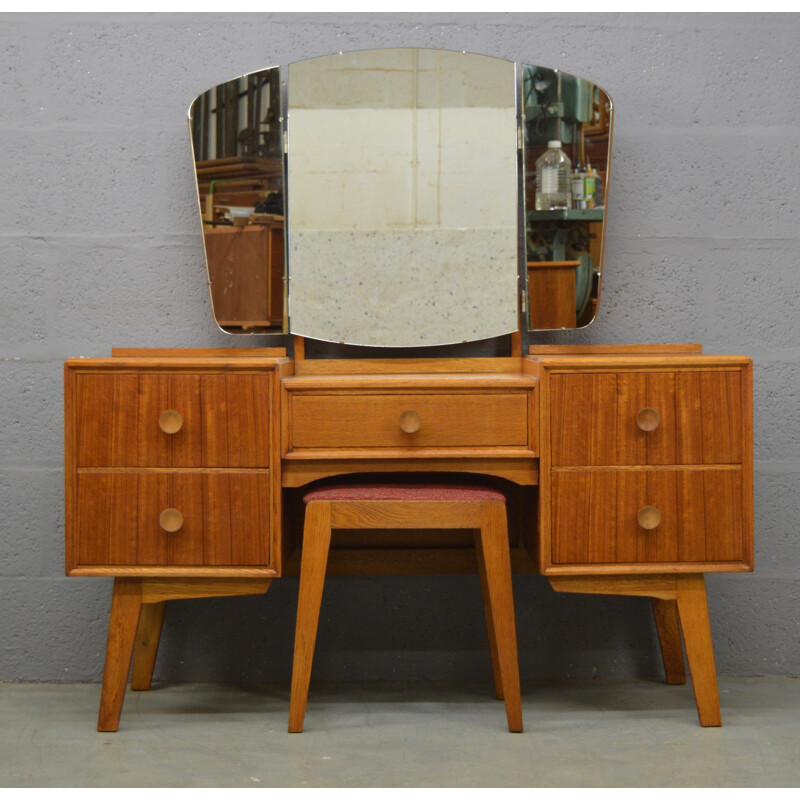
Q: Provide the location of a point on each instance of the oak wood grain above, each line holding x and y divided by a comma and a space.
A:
668, 627
126, 602
693, 610
198, 352
493, 562
145, 649
316, 542
521, 469
495, 566
401, 366
661, 586
614, 349
158, 590
356, 421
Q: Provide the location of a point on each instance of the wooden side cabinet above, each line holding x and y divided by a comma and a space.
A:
646, 483
173, 487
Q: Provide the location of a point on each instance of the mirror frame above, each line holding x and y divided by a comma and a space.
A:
523, 292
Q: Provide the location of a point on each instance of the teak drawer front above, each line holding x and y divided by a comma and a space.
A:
224, 420
225, 519
363, 421
595, 516
593, 418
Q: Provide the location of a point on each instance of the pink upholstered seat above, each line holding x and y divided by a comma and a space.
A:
403, 491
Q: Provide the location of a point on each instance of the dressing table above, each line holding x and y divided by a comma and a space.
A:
628, 468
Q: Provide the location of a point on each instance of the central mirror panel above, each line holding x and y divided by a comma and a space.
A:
403, 197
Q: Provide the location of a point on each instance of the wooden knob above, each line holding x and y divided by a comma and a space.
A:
410, 422
170, 421
648, 419
649, 517
170, 520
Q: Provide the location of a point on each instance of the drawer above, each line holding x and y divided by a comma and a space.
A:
620, 418
606, 516
214, 420
359, 421
223, 519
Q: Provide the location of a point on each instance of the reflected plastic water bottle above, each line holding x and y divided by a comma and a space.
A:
553, 173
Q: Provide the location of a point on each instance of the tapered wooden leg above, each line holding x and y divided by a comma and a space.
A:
487, 610
693, 611
316, 543
145, 648
669, 637
497, 563
126, 603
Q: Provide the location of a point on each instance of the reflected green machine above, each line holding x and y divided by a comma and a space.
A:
560, 106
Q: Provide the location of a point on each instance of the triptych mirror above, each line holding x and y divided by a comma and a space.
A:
406, 197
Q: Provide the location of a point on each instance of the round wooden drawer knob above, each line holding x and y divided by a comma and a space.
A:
648, 419
170, 421
410, 422
649, 517
170, 520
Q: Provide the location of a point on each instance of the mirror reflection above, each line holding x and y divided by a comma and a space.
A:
408, 222
403, 197
237, 144
567, 148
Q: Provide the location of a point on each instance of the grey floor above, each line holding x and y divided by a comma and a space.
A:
577, 733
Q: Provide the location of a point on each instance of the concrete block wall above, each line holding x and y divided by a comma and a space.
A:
100, 246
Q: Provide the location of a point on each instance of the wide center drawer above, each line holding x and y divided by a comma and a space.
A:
636, 417
409, 420
172, 420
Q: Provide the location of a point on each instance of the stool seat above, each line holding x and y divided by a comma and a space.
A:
408, 506
404, 491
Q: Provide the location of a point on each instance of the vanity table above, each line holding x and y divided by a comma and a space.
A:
628, 469
643, 458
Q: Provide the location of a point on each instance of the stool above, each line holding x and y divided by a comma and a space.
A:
410, 506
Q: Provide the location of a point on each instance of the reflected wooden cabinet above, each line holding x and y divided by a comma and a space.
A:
245, 269
178, 464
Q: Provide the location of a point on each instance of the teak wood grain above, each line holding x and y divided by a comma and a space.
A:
599, 468
226, 518
551, 294
595, 516
594, 418
564, 417
222, 465
225, 420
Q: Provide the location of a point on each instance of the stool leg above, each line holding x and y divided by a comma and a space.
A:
495, 554
316, 543
487, 610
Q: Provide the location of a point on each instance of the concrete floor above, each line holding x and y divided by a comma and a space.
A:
578, 733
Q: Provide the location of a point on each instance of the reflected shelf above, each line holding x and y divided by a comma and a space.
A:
569, 214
